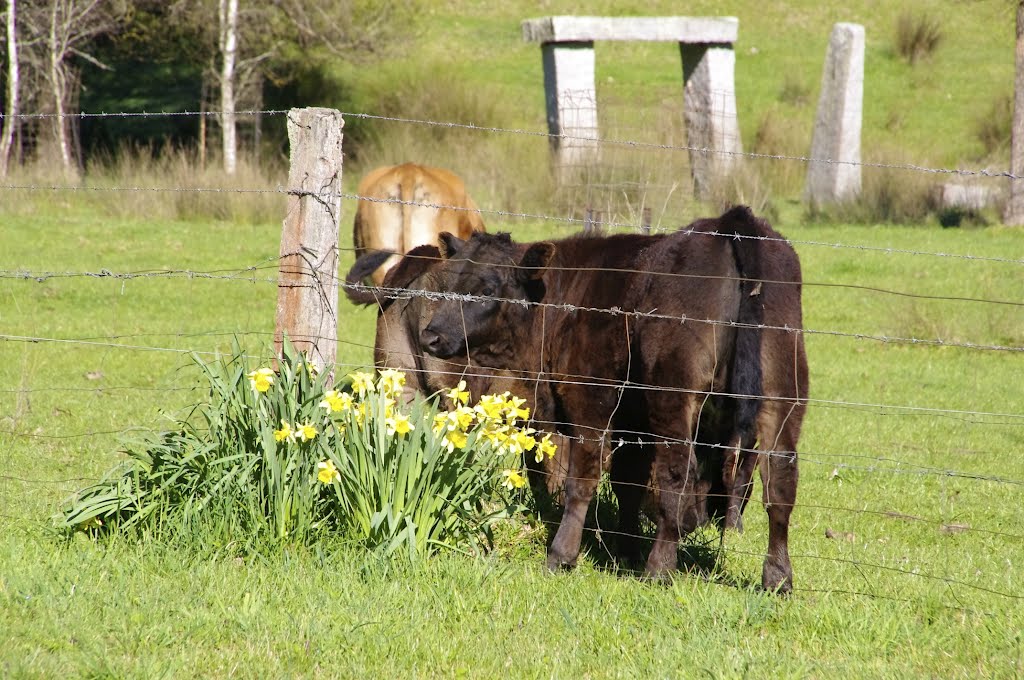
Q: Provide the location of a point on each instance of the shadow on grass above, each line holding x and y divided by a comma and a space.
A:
701, 554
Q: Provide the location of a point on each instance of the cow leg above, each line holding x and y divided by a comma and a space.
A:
630, 473
738, 479
779, 426
580, 485
676, 469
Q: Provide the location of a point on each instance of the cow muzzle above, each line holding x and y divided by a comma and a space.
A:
440, 345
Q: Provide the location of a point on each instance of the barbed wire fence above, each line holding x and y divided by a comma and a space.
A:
989, 474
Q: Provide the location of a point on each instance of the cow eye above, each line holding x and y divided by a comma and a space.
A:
487, 291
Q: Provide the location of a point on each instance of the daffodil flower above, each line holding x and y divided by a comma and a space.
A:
285, 433
463, 417
399, 424
513, 480
490, 406
328, 472
335, 401
306, 432
362, 383
261, 379
459, 394
546, 448
391, 382
455, 440
514, 408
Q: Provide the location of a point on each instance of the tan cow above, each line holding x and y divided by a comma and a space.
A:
395, 213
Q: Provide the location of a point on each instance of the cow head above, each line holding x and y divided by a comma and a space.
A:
498, 275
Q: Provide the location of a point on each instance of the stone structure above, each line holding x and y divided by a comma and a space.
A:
833, 174
706, 48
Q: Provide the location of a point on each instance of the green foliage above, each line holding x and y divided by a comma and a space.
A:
272, 457
917, 36
993, 127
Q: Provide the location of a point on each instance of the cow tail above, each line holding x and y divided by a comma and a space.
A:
355, 290
746, 381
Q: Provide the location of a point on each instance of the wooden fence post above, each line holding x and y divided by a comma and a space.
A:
307, 289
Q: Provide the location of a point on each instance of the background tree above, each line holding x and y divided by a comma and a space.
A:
11, 111
60, 33
1014, 212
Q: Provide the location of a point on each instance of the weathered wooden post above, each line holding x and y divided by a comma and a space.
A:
833, 174
307, 289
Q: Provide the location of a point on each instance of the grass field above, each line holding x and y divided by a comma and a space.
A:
907, 538
909, 463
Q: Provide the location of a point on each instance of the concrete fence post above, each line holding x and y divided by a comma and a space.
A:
706, 45
709, 108
571, 98
833, 174
307, 292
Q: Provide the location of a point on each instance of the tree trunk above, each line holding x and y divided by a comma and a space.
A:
228, 15
58, 89
13, 89
1014, 212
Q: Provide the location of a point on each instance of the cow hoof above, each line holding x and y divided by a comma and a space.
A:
777, 579
556, 563
662, 577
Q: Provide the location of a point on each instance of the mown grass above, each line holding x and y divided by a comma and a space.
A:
907, 538
920, 575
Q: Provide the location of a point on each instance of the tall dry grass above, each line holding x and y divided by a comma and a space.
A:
168, 183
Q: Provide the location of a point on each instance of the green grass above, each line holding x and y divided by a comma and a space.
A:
910, 453
899, 590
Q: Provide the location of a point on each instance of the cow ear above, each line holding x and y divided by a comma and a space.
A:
535, 259
450, 244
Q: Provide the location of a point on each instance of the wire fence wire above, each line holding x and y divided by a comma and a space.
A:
872, 458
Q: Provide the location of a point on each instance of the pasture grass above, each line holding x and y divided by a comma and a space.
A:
906, 541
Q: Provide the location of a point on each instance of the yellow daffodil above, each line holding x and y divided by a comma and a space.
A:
513, 480
489, 406
440, 423
360, 413
306, 432
391, 382
285, 433
362, 383
463, 417
327, 471
455, 440
498, 436
458, 394
546, 448
335, 401
399, 424
514, 408
524, 441
261, 379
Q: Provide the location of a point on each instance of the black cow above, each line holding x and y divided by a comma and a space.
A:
700, 297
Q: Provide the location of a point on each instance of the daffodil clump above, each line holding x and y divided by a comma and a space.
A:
282, 452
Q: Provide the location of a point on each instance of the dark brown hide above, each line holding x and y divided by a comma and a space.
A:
699, 297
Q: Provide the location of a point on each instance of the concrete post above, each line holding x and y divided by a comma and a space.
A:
709, 108
708, 65
307, 289
833, 175
571, 103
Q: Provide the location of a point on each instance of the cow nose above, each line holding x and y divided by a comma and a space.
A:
431, 341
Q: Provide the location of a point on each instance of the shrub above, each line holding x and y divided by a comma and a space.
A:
993, 128
917, 36
281, 456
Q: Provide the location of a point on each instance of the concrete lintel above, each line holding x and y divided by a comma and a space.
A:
691, 30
